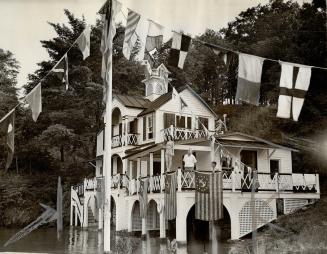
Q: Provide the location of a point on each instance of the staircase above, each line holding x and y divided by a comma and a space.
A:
91, 219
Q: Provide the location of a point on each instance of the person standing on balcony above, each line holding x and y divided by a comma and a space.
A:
189, 160
169, 152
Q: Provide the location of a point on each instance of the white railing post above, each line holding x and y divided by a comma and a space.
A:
179, 179
84, 185
151, 173
277, 182
233, 180
138, 173
171, 131
162, 170
317, 183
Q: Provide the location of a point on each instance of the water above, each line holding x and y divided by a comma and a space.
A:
77, 240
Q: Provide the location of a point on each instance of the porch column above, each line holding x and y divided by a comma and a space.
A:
138, 173
151, 173
162, 160
75, 216
162, 223
85, 214
71, 208
129, 215
143, 229
100, 221
181, 225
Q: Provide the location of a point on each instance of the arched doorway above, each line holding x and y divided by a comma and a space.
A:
116, 164
201, 235
153, 218
136, 218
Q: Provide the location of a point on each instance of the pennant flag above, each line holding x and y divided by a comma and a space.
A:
179, 49
294, 83
130, 35
83, 42
7, 127
170, 195
109, 13
61, 70
34, 100
154, 38
249, 79
143, 196
208, 196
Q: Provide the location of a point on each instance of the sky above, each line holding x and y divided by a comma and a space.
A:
23, 23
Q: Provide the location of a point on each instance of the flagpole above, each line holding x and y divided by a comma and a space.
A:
107, 152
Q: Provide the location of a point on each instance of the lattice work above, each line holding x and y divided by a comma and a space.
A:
136, 218
263, 214
188, 179
291, 205
153, 218
132, 139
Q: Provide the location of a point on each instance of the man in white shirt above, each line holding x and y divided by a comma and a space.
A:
189, 160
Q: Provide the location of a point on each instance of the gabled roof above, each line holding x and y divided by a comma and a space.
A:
132, 101
254, 141
199, 97
157, 103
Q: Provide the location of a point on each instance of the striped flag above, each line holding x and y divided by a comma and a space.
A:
83, 42
109, 13
170, 195
7, 127
130, 35
208, 196
61, 70
249, 79
143, 197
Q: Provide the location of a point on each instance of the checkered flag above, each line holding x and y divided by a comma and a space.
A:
179, 48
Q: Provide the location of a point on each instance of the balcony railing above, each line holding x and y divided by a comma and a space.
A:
237, 182
232, 181
124, 140
185, 134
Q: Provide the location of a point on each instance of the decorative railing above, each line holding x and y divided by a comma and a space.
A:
237, 182
185, 134
90, 184
79, 188
124, 140
132, 139
116, 141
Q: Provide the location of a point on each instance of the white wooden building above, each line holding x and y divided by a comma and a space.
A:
140, 126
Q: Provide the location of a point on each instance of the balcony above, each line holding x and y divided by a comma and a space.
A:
185, 134
124, 140
233, 182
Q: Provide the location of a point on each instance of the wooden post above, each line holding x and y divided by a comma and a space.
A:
233, 181
317, 183
138, 173
277, 182
179, 179
162, 169
151, 173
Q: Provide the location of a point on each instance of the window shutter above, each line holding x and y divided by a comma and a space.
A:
189, 123
144, 128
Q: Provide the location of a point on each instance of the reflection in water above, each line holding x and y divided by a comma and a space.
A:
77, 240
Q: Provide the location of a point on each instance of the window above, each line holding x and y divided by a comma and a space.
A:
169, 119
150, 127
274, 167
180, 121
203, 122
133, 127
189, 123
